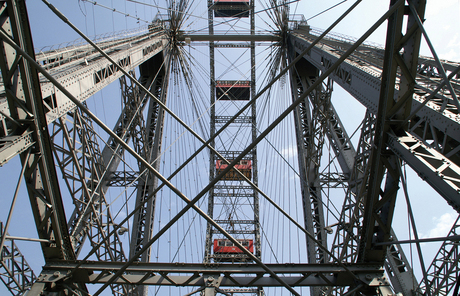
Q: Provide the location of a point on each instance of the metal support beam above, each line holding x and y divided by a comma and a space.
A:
150, 147
360, 76
83, 75
224, 275
379, 202
15, 272
311, 123
229, 37
26, 106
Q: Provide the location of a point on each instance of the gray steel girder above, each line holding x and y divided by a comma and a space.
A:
27, 111
310, 123
83, 76
362, 80
150, 148
436, 123
384, 172
26, 105
232, 275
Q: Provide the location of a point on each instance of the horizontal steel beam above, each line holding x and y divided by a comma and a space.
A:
228, 37
179, 267
194, 274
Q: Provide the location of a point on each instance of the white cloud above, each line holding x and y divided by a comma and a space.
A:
451, 51
442, 224
289, 152
452, 55
436, 7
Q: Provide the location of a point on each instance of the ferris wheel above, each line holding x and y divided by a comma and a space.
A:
212, 150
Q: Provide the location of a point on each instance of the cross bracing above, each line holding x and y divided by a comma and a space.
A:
66, 150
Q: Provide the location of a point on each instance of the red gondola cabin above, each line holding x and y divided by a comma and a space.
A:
233, 90
225, 246
231, 8
244, 166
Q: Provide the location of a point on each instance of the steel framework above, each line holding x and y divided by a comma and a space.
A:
69, 155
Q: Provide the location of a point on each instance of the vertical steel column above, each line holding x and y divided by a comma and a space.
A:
26, 107
153, 134
78, 157
379, 202
212, 156
25, 103
311, 124
257, 240
255, 176
346, 239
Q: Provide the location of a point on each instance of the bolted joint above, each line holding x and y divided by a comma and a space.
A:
213, 280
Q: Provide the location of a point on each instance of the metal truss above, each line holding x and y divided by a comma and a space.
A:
15, 272
443, 272
243, 196
399, 270
360, 76
91, 76
239, 275
347, 236
27, 115
149, 145
25, 105
379, 202
412, 116
311, 119
79, 158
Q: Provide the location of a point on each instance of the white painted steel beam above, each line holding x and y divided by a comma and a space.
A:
83, 77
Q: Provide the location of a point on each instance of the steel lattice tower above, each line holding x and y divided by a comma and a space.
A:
69, 156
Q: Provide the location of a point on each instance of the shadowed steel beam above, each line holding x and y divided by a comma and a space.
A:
384, 176
209, 268
310, 124
22, 88
229, 275
40, 173
83, 75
